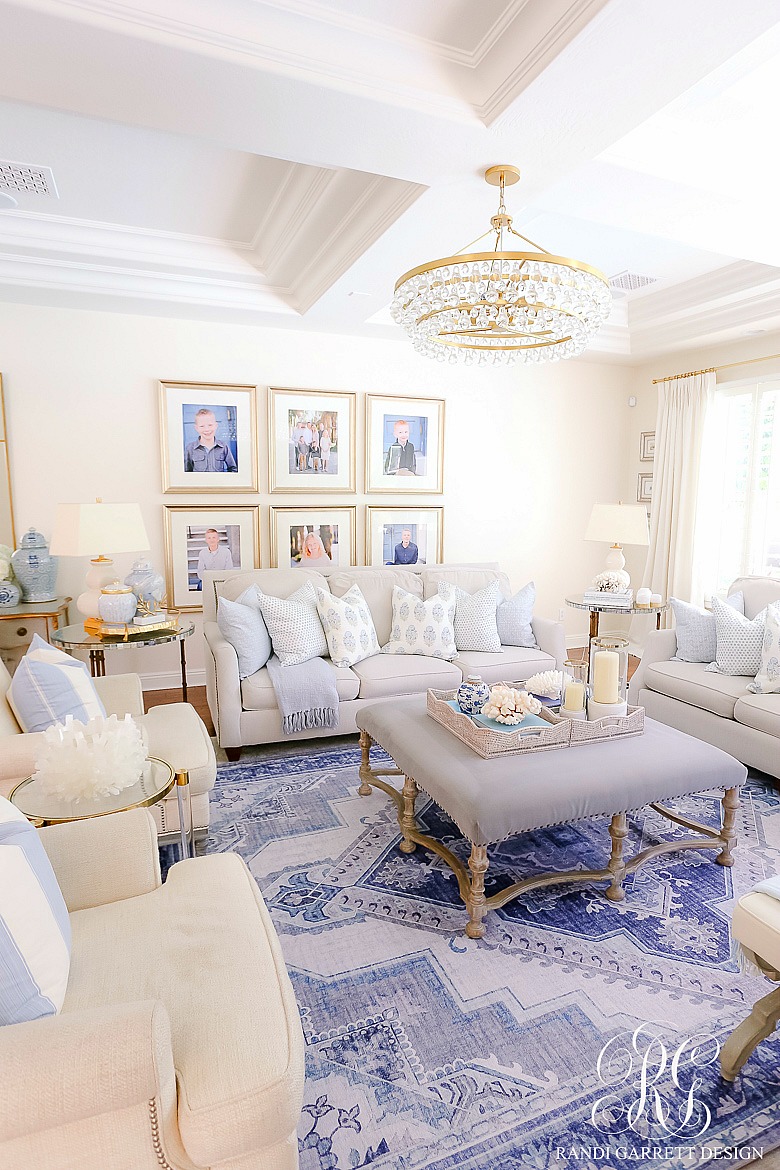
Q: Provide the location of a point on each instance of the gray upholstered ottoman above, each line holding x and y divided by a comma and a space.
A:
490, 800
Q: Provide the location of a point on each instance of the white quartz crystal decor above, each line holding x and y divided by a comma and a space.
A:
509, 705
81, 761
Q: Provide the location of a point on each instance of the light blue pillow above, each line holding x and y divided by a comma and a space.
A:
241, 622
513, 618
34, 924
695, 629
48, 685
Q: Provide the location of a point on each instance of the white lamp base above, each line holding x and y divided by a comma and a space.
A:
615, 563
101, 572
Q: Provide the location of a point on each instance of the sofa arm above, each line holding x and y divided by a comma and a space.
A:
76, 1066
121, 694
661, 645
17, 758
551, 638
223, 686
104, 859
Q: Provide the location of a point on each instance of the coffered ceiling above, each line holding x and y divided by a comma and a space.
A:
283, 161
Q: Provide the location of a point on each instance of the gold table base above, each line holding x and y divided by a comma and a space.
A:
472, 884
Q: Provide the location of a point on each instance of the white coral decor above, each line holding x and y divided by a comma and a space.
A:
611, 581
548, 683
100, 758
508, 705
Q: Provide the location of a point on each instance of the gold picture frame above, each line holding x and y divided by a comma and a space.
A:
404, 445
231, 409
186, 527
290, 527
299, 423
385, 528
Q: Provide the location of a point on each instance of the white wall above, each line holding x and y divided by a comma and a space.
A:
528, 450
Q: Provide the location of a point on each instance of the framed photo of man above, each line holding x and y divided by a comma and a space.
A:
404, 444
208, 434
200, 539
404, 536
312, 538
311, 438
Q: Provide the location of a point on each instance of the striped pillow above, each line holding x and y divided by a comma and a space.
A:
34, 924
48, 685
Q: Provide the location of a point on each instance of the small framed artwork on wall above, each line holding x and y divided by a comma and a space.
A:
208, 434
644, 487
197, 539
404, 444
312, 538
647, 446
404, 536
311, 439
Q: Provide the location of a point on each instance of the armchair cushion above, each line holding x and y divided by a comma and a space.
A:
49, 685
104, 859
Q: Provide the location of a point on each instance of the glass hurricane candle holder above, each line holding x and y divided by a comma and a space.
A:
575, 692
608, 676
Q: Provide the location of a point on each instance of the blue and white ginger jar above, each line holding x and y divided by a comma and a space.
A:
34, 568
146, 583
473, 694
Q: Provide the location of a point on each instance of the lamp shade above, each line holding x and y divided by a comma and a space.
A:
618, 524
86, 530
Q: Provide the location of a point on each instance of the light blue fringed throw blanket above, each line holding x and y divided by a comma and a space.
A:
305, 693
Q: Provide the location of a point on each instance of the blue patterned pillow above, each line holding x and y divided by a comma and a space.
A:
513, 618
695, 629
767, 681
423, 627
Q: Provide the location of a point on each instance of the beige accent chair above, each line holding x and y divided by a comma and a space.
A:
175, 732
756, 927
179, 1043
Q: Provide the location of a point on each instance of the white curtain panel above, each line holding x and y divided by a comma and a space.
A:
679, 436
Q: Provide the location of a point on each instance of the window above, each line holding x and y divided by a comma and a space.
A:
738, 513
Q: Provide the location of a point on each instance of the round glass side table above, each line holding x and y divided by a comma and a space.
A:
76, 638
577, 601
47, 809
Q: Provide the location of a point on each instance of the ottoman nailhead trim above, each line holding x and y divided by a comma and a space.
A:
155, 1125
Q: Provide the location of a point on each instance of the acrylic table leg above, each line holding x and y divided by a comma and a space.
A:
365, 764
618, 831
407, 819
186, 824
478, 864
728, 833
183, 672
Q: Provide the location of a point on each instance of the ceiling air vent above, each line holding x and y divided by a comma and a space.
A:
23, 179
630, 281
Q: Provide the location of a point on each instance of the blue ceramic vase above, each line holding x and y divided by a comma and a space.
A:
10, 595
34, 568
473, 694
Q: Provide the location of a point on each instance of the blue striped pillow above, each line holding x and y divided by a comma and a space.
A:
49, 685
34, 924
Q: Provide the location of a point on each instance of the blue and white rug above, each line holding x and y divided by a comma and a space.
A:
429, 1050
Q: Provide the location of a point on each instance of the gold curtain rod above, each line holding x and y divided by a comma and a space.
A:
713, 369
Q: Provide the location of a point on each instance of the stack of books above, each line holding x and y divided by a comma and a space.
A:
622, 600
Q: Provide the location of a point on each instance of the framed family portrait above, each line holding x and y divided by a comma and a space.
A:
311, 439
404, 536
404, 444
312, 538
208, 433
197, 539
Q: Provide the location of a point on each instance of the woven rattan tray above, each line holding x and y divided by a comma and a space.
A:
487, 742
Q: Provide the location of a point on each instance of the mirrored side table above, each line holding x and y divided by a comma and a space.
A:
76, 638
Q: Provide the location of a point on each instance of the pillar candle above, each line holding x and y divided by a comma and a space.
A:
606, 672
574, 697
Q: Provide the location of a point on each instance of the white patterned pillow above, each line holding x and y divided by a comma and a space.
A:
423, 627
767, 681
294, 625
348, 625
514, 616
739, 640
695, 629
475, 618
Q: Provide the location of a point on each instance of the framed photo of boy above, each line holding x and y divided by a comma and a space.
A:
404, 536
197, 539
208, 434
312, 538
311, 440
404, 444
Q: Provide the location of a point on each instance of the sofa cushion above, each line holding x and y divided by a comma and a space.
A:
761, 712
516, 664
470, 579
348, 625
377, 585
258, 694
423, 627
692, 683
204, 945
386, 675
48, 685
177, 734
294, 625
475, 617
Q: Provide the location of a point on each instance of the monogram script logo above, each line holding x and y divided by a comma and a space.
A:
666, 1083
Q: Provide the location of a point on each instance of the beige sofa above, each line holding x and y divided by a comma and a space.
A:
179, 1043
245, 712
715, 707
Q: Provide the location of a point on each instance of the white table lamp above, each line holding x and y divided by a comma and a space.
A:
616, 525
84, 530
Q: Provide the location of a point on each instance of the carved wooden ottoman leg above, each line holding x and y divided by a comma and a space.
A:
406, 817
728, 833
475, 904
365, 764
746, 1036
618, 831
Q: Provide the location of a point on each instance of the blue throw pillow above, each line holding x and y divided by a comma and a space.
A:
695, 628
34, 924
242, 623
513, 618
48, 685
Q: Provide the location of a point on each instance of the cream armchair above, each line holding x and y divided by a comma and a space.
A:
179, 1043
175, 731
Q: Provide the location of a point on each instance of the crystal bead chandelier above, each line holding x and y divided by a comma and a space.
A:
497, 307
